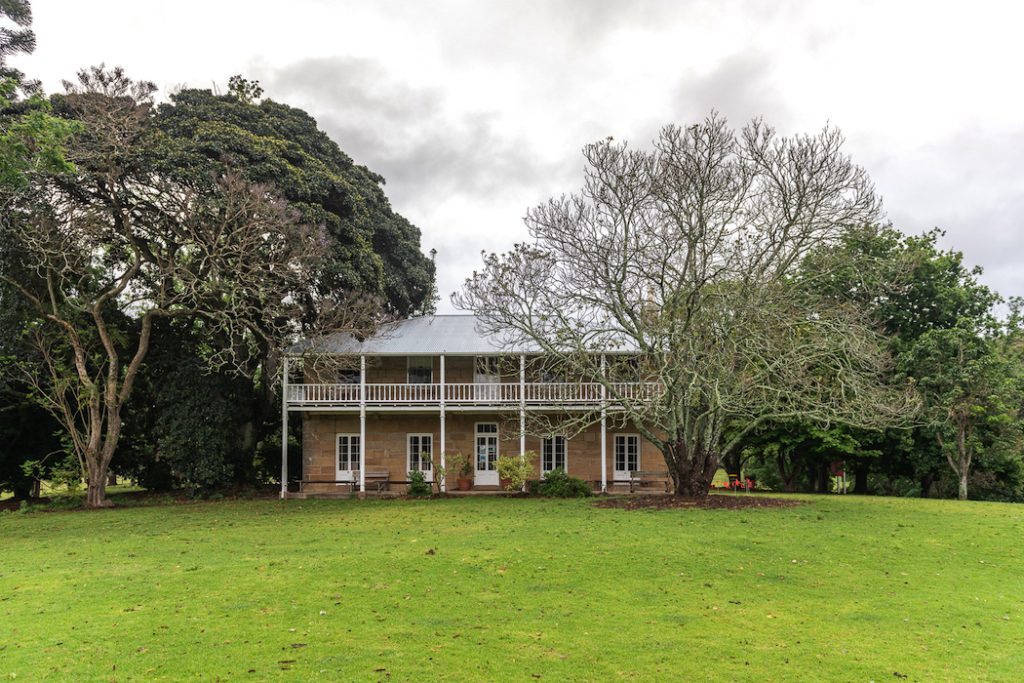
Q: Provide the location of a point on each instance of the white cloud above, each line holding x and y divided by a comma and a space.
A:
475, 111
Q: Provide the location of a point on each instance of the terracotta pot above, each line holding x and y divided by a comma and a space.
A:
465, 484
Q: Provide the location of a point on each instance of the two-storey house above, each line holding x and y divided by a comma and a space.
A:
434, 385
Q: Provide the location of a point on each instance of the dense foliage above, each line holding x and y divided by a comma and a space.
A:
944, 331
373, 248
209, 229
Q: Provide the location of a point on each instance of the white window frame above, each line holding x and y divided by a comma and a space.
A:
409, 367
565, 453
497, 444
615, 452
425, 465
354, 466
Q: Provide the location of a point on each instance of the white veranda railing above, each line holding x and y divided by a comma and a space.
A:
479, 393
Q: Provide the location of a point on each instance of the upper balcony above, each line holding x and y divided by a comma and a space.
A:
506, 395
433, 361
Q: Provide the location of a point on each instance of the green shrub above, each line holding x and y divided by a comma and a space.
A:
558, 484
516, 469
418, 485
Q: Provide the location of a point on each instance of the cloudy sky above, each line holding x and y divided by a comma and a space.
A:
474, 111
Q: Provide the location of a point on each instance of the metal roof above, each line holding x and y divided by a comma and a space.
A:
427, 335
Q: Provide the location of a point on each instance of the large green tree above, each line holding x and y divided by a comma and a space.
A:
119, 242
373, 248
911, 287
972, 396
31, 144
370, 248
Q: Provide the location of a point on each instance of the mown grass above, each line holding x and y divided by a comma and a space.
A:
485, 589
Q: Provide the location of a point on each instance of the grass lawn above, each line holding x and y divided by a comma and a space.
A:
485, 589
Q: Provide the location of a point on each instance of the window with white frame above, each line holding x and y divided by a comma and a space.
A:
553, 454
420, 452
627, 452
348, 447
421, 370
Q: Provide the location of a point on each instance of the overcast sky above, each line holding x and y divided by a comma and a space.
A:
474, 111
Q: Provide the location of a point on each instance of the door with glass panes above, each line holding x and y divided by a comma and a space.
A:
486, 454
347, 449
626, 455
420, 452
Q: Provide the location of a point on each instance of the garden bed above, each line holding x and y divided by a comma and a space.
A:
713, 502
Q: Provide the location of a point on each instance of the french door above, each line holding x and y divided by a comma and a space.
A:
347, 450
420, 452
626, 455
486, 454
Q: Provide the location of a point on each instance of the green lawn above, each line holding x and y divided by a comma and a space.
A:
841, 589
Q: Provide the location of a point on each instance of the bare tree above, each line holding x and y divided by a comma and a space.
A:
684, 257
118, 244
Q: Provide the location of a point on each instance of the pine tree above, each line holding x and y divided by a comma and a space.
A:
18, 40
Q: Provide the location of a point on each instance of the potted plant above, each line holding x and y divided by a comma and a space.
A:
464, 478
455, 463
514, 470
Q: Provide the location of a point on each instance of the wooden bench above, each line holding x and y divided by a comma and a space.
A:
378, 479
350, 482
641, 478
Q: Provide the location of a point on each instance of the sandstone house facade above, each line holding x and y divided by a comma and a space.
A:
427, 387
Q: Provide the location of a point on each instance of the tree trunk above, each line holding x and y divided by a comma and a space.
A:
962, 493
860, 480
96, 495
786, 474
926, 485
822, 482
732, 464
692, 469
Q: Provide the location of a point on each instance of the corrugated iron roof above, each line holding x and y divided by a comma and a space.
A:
427, 335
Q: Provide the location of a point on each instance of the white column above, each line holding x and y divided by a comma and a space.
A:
362, 424
444, 485
522, 405
604, 427
284, 428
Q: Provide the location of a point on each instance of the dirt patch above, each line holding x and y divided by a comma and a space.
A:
714, 502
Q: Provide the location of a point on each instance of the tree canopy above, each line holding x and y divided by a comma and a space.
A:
373, 249
180, 213
688, 256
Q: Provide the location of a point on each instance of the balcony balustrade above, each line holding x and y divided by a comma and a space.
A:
467, 394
